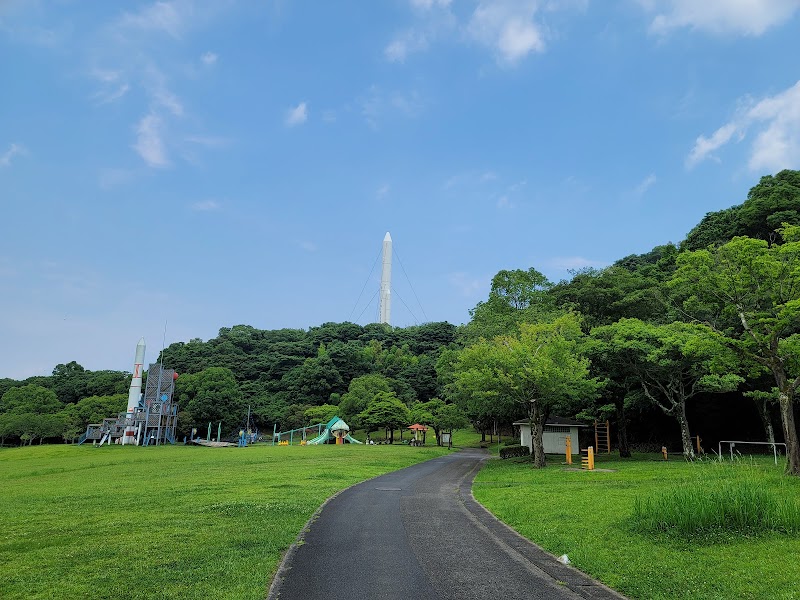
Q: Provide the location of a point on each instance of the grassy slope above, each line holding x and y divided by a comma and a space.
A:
586, 515
167, 522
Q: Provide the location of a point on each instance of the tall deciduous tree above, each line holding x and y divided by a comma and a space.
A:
750, 291
539, 370
385, 410
673, 363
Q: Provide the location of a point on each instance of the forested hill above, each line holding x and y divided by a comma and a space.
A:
291, 377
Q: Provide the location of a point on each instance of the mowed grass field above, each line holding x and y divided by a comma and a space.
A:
169, 521
588, 516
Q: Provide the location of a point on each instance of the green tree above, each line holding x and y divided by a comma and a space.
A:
774, 201
672, 362
515, 297
385, 411
320, 414
33, 399
212, 395
360, 392
749, 290
541, 369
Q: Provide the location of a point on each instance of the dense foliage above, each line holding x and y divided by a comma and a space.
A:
700, 338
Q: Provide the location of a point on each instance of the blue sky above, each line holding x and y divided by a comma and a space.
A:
207, 164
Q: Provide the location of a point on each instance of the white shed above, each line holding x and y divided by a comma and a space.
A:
554, 436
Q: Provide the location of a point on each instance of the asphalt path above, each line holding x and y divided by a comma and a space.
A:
418, 533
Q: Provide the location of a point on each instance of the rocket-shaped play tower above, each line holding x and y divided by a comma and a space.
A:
134, 394
386, 281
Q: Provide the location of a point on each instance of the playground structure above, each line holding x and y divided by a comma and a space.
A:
154, 419
335, 431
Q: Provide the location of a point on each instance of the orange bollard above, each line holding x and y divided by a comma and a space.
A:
568, 442
664, 452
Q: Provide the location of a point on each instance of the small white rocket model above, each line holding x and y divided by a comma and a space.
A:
134, 393
386, 281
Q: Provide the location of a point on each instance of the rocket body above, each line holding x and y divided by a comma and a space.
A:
134, 393
386, 281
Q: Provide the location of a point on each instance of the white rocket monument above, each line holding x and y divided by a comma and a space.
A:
134, 393
386, 281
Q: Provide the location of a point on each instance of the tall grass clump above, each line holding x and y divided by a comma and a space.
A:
732, 500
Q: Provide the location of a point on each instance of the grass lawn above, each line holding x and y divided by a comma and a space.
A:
169, 521
587, 515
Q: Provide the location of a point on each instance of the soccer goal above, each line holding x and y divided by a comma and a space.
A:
732, 444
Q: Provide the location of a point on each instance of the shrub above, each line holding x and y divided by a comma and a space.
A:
514, 451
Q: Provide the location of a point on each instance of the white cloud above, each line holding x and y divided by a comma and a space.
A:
149, 141
383, 191
404, 44
504, 203
744, 17
571, 263
508, 28
377, 104
167, 17
13, 150
466, 284
429, 4
209, 59
308, 246
205, 206
774, 123
297, 115
645, 184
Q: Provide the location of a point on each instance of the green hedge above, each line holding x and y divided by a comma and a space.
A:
514, 451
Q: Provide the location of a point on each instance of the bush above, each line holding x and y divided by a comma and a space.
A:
514, 451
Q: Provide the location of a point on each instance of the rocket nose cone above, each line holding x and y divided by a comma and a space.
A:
141, 342
387, 237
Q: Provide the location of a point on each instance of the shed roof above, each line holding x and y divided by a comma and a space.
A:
417, 427
564, 422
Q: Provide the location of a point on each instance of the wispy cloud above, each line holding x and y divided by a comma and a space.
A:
308, 246
571, 263
297, 115
466, 284
13, 150
383, 191
378, 104
508, 29
738, 17
209, 59
149, 141
773, 122
645, 185
205, 206
165, 17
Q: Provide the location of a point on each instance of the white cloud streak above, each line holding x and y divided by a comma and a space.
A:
742, 17
645, 185
13, 150
209, 59
205, 206
297, 115
149, 141
773, 122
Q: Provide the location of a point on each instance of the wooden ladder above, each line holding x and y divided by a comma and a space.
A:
602, 437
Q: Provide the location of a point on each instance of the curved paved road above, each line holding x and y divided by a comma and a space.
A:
418, 533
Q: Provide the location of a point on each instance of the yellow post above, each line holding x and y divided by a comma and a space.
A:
699, 448
568, 442
664, 452
591, 458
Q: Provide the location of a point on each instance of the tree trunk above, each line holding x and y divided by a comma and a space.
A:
391, 435
766, 418
622, 431
789, 434
686, 438
436, 432
536, 420
483, 435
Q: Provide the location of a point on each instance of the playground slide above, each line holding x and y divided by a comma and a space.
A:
326, 435
320, 439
